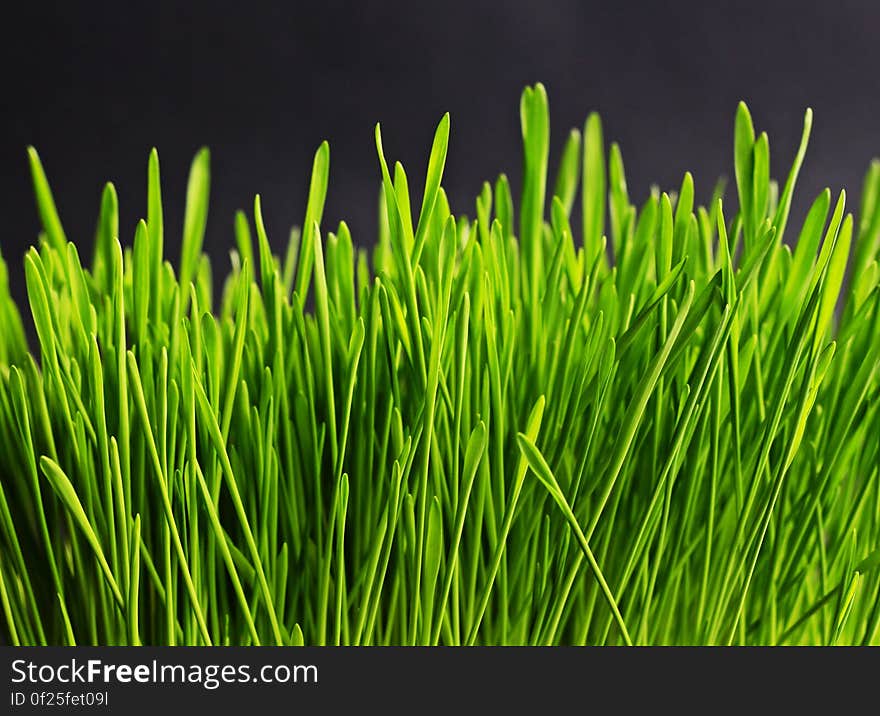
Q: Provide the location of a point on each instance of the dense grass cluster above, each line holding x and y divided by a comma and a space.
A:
488, 431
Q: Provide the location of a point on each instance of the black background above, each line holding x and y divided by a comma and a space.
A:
94, 85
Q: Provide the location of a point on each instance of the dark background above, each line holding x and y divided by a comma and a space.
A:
94, 85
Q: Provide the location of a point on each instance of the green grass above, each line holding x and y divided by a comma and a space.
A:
500, 430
